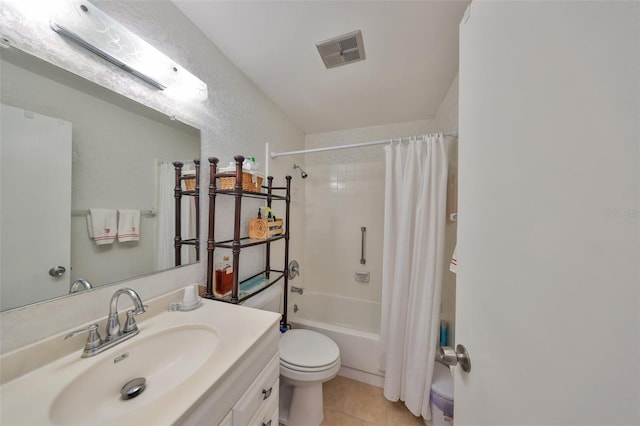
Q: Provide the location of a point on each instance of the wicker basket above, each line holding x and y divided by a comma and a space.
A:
250, 182
189, 179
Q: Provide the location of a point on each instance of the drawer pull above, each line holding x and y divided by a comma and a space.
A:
267, 423
266, 393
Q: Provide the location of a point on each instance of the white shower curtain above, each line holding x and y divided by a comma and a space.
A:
165, 257
413, 266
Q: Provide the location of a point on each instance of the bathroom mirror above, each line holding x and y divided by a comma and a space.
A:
70, 145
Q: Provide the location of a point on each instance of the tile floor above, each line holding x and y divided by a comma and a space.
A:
351, 403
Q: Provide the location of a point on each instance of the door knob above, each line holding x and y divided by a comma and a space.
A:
58, 271
459, 356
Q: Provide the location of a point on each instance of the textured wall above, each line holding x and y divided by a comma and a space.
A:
235, 119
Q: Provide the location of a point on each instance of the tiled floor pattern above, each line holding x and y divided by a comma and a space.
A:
351, 403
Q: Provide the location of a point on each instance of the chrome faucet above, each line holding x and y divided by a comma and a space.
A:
298, 290
113, 322
95, 344
80, 285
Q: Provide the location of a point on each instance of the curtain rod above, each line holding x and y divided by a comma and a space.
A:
353, 145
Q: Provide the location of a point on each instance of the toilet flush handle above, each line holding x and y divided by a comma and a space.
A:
454, 357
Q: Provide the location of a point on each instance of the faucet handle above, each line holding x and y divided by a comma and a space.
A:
130, 325
93, 340
90, 329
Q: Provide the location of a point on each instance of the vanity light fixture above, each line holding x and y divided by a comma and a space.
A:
104, 55
85, 24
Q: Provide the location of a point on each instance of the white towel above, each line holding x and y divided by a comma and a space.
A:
128, 225
102, 225
453, 265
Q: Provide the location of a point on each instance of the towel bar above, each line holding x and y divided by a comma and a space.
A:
82, 213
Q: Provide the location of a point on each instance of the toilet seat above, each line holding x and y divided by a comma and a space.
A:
308, 351
303, 369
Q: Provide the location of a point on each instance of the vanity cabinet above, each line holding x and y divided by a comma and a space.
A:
249, 395
258, 403
242, 290
227, 420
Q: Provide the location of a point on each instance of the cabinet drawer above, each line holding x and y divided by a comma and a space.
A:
267, 416
261, 392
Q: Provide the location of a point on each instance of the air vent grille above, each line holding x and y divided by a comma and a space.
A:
342, 50
351, 56
350, 43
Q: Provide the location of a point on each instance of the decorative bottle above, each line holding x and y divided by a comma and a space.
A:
224, 277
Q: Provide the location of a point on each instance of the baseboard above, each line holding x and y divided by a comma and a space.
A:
362, 376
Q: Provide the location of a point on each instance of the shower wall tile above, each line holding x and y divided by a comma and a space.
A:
345, 191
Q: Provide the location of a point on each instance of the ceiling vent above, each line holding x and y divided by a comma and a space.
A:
342, 50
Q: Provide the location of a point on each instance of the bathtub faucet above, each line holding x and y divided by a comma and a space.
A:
298, 290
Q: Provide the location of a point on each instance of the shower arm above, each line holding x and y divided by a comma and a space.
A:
303, 174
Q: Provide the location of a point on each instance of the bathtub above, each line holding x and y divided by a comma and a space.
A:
354, 324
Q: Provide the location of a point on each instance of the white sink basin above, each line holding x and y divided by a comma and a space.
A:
165, 359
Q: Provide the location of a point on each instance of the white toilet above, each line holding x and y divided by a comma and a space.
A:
307, 359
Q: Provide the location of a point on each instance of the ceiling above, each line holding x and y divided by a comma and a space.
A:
411, 52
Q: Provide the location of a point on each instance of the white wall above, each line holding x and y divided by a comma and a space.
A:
236, 119
344, 191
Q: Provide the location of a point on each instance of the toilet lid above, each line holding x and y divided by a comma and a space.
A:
309, 349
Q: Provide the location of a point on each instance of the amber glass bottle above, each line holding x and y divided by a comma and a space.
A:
224, 277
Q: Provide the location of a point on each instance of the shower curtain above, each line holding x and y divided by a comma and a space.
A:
413, 266
165, 257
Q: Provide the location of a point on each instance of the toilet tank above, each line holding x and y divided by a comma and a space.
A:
268, 300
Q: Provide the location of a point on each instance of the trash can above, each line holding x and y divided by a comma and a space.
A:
441, 396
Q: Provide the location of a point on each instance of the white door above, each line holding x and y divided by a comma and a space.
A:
35, 213
548, 301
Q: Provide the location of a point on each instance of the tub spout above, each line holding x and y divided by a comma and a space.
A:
298, 290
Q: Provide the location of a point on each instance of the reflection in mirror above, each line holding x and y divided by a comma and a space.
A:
70, 147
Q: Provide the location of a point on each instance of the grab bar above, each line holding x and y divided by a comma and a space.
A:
363, 229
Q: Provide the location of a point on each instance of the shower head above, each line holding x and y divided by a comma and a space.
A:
303, 174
